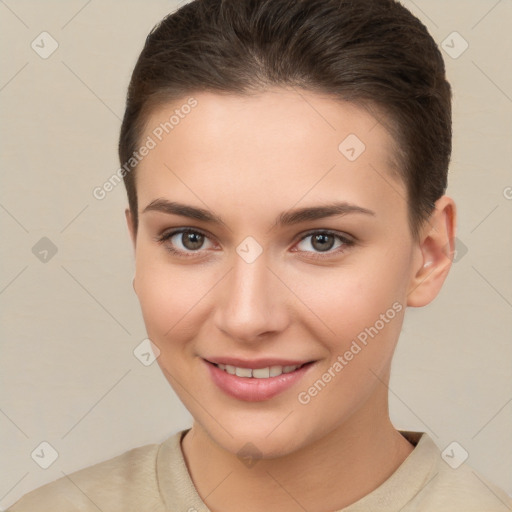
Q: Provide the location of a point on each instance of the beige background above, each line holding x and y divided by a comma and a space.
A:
70, 325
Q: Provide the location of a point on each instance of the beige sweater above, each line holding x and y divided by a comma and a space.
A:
154, 478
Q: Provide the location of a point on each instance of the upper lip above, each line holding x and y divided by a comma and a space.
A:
256, 363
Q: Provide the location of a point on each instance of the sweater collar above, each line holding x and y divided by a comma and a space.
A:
416, 471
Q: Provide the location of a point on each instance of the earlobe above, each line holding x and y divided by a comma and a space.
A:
436, 246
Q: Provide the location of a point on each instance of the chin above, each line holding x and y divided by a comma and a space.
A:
264, 439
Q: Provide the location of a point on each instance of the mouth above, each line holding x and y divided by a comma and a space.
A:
253, 381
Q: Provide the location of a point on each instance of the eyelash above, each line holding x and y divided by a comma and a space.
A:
347, 242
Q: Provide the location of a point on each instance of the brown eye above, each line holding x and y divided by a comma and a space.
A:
322, 242
185, 242
192, 240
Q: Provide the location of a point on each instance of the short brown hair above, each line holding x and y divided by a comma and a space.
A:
369, 52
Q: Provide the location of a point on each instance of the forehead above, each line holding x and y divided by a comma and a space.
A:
277, 146
277, 118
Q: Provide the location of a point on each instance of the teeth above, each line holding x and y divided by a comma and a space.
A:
257, 373
275, 371
261, 373
243, 372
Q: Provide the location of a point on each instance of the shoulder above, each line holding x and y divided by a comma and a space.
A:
433, 481
464, 488
124, 483
450, 485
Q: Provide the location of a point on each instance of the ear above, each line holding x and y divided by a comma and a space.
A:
435, 251
131, 226
133, 236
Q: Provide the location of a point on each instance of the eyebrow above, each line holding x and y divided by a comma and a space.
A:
286, 218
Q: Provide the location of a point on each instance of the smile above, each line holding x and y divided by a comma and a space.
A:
257, 380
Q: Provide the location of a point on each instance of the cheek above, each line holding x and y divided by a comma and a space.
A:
166, 294
361, 307
362, 316
348, 299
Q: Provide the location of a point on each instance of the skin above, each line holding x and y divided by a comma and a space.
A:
247, 159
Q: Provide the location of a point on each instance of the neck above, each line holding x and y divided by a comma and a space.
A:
329, 474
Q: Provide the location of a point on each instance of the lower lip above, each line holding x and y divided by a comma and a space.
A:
251, 389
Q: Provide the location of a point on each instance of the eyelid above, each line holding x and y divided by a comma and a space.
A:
342, 235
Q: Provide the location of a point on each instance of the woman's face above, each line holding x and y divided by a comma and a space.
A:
268, 277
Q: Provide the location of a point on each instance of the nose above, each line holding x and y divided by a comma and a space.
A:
252, 303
